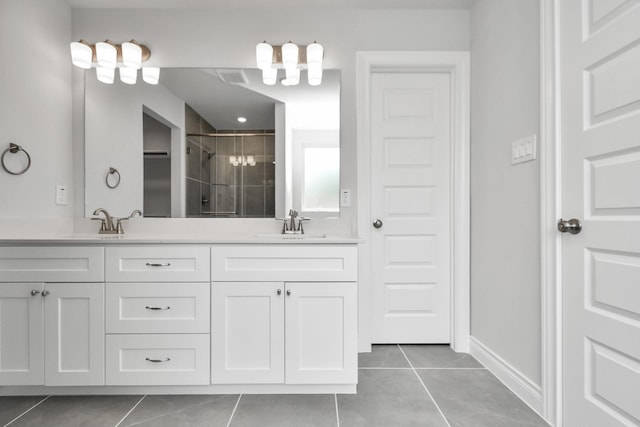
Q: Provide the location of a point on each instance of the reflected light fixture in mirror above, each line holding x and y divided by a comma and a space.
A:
128, 75
105, 75
288, 56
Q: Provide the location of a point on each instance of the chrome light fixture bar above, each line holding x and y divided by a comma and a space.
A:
289, 56
107, 56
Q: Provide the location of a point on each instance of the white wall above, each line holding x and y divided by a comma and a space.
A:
505, 212
35, 105
227, 38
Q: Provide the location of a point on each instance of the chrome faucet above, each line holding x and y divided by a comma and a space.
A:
289, 225
107, 226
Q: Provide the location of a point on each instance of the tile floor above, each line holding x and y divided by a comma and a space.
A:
399, 386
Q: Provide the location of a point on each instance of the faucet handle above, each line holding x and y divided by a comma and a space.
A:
103, 224
302, 219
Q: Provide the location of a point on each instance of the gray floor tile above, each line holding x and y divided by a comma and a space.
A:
285, 410
438, 356
476, 398
78, 411
388, 397
383, 356
182, 410
12, 406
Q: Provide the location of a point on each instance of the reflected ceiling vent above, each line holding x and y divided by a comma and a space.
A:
233, 77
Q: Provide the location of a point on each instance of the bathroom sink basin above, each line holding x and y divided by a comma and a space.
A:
280, 236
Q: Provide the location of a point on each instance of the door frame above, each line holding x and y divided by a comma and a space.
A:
456, 64
550, 205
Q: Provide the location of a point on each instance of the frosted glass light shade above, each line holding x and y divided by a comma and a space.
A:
81, 54
314, 76
132, 55
264, 55
128, 75
107, 54
105, 75
269, 76
289, 55
151, 75
293, 77
315, 52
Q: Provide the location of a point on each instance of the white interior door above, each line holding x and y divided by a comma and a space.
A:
600, 112
410, 207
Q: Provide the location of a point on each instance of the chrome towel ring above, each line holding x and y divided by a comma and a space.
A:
13, 149
112, 172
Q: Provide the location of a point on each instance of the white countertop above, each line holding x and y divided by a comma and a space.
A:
171, 238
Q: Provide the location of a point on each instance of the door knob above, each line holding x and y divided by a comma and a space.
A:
572, 226
377, 223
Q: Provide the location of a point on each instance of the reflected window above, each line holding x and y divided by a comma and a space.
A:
321, 179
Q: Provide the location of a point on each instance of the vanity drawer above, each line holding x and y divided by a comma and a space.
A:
157, 359
157, 264
51, 264
289, 263
163, 308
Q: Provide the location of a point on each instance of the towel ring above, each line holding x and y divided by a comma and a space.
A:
112, 171
14, 148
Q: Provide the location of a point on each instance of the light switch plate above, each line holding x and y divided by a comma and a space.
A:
523, 150
61, 195
345, 198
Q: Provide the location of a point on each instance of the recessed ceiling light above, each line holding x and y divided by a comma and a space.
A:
242, 119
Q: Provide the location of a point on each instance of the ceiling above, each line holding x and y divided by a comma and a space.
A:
261, 4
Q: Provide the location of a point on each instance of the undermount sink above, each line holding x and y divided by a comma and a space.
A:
280, 236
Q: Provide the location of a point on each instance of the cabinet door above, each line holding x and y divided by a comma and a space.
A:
21, 334
247, 333
74, 333
321, 333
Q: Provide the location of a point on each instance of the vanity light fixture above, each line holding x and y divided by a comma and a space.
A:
288, 56
108, 56
82, 54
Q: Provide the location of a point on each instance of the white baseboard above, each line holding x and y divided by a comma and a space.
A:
523, 387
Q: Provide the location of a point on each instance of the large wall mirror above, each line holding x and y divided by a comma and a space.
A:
182, 149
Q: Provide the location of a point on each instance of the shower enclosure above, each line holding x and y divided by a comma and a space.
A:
231, 174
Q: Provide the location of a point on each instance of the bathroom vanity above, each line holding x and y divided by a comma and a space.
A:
120, 315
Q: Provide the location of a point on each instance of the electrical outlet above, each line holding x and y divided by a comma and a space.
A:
345, 198
61, 195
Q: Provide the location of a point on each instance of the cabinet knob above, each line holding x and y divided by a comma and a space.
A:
288, 292
34, 292
45, 293
279, 291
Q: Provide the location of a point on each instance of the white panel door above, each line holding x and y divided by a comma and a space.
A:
321, 333
247, 333
410, 196
74, 333
600, 112
21, 334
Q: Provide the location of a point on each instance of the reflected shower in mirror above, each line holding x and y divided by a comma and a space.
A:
213, 143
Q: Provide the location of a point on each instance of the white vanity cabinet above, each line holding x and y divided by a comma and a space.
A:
284, 314
51, 316
157, 315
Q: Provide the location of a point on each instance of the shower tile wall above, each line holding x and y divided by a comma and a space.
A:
215, 187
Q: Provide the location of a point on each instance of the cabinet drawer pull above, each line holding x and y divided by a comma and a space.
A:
151, 307
157, 360
157, 264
